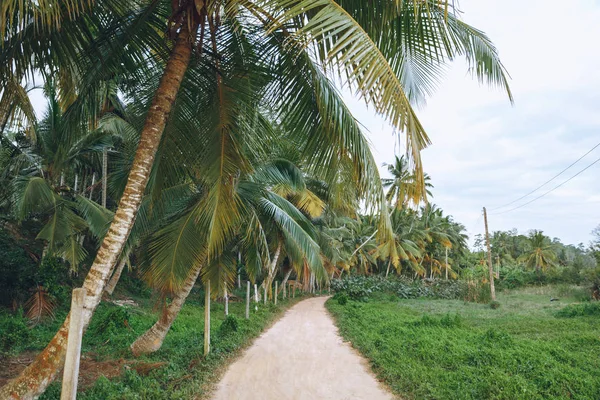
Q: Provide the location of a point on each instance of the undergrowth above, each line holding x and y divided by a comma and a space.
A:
449, 349
178, 370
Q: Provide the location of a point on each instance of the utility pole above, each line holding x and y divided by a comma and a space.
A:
489, 256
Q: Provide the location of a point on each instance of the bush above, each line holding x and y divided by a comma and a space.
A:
229, 325
15, 333
579, 310
494, 305
109, 321
341, 297
362, 288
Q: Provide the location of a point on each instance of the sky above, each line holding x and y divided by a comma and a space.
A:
487, 152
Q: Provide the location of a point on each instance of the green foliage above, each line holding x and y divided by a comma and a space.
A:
362, 288
494, 305
341, 298
580, 310
448, 349
15, 333
229, 325
109, 322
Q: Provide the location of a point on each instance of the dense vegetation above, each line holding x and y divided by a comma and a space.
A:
529, 348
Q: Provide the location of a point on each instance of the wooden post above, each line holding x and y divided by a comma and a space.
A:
207, 319
248, 300
71, 371
489, 256
275, 293
226, 302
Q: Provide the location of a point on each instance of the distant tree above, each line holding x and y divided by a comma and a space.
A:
540, 253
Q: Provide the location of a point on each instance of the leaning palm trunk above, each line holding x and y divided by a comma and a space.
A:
36, 377
153, 338
285, 279
271, 271
110, 287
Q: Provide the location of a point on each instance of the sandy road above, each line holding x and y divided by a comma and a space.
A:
300, 357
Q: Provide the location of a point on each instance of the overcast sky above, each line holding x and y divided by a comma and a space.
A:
486, 152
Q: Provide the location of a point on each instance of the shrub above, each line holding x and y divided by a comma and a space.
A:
362, 288
15, 333
229, 325
494, 305
109, 321
579, 310
342, 298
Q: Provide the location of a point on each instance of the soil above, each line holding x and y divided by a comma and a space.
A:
301, 356
90, 369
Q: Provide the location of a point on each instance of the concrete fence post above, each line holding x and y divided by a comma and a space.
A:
73, 356
275, 293
226, 302
207, 319
248, 300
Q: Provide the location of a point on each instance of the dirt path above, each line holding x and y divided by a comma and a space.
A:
301, 357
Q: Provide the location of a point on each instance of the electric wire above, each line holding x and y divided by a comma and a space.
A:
547, 182
549, 191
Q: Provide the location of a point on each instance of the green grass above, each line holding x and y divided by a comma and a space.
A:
186, 373
448, 349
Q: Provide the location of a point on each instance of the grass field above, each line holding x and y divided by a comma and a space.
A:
449, 349
177, 371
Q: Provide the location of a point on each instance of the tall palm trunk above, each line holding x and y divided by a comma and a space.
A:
110, 287
104, 175
38, 375
272, 268
151, 340
285, 279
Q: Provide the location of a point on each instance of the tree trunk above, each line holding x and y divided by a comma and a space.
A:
271, 271
387, 272
38, 375
110, 287
92, 185
151, 340
285, 279
104, 175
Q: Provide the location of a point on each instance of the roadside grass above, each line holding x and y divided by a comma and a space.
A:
449, 349
178, 370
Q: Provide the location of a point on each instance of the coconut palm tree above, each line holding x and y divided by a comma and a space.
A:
403, 187
179, 251
540, 253
390, 53
46, 157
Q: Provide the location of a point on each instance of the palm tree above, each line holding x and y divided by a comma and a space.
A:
179, 253
540, 253
44, 158
404, 188
304, 38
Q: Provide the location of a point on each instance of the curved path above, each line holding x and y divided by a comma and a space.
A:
301, 357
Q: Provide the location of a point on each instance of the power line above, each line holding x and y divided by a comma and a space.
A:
547, 182
551, 190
